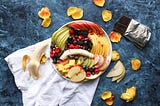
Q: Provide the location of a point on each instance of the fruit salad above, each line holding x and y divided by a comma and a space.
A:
80, 50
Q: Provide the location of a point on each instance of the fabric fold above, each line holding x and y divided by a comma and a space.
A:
50, 89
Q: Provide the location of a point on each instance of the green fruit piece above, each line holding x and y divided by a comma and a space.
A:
56, 34
85, 62
60, 42
91, 64
80, 60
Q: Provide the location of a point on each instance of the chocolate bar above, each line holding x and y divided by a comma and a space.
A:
133, 30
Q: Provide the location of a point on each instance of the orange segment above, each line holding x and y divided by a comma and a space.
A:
99, 3
75, 12
136, 63
106, 15
71, 10
46, 22
44, 13
115, 36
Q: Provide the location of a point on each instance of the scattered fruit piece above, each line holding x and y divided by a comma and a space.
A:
106, 15
99, 3
115, 55
129, 95
46, 22
75, 12
115, 36
44, 13
136, 63
106, 95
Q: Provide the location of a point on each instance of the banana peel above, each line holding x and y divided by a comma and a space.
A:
34, 60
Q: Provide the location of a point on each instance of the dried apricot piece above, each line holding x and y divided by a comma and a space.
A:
46, 22
109, 102
43, 59
115, 36
99, 3
78, 14
129, 95
75, 12
106, 95
136, 63
44, 13
115, 55
106, 15
71, 10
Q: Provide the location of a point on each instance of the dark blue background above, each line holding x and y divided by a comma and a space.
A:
20, 27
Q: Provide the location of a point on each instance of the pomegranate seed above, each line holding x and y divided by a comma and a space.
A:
88, 74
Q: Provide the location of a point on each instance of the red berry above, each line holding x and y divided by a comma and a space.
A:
51, 54
88, 74
71, 31
80, 37
57, 50
96, 71
71, 46
77, 47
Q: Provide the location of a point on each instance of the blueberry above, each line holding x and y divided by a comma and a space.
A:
74, 42
84, 33
92, 72
54, 60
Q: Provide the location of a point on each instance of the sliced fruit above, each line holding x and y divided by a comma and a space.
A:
76, 74
100, 62
115, 36
85, 62
136, 63
71, 10
46, 22
109, 102
120, 77
106, 15
43, 59
106, 95
129, 95
44, 13
78, 14
99, 3
80, 60
116, 70
71, 62
104, 65
115, 55
76, 52
75, 12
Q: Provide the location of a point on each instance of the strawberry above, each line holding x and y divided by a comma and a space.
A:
88, 74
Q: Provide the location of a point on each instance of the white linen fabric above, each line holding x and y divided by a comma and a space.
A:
50, 89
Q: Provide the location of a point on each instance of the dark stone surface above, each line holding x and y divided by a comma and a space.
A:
20, 27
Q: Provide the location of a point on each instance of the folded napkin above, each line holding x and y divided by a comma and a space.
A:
50, 89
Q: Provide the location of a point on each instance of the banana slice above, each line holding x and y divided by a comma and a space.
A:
76, 74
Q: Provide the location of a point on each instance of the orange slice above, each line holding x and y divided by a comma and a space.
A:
99, 3
44, 13
106, 15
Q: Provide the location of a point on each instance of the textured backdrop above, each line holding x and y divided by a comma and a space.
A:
20, 27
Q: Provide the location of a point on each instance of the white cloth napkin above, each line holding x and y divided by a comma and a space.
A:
50, 89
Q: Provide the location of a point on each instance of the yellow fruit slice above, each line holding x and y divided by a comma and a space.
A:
99, 3
106, 15
136, 63
106, 95
115, 55
46, 22
76, 74
115, 36
43, 59
44, 13
109, 102
78, 14
71, 10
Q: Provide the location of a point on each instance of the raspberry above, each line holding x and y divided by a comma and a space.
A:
51, 54
96, 71
71, 46
71, 31
77, 46
88, 74
57, 50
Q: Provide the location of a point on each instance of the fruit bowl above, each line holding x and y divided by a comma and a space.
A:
80, 51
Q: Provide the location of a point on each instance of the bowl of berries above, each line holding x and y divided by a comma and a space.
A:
80, 51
